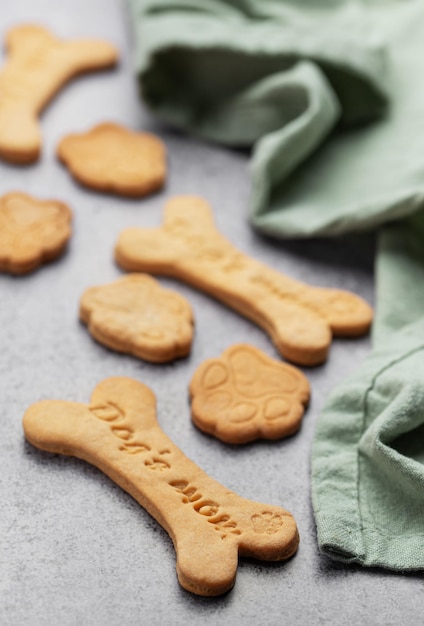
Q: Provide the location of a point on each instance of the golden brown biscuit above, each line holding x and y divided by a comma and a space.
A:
136, 315
300, 319
32, 231
209, 525
38, 65
246, 395
111, 158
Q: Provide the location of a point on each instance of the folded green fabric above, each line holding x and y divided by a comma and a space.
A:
329, 95
298, 81
282, 76
368, 454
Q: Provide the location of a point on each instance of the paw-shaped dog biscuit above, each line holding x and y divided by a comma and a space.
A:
38, 65
32, 231
246, 395
136, 315
300, 319
111, 158
209, 525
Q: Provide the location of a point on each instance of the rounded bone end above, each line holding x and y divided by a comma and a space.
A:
36, 427
357, 323
20, 138
348, 314
207, 572
303, 341
273, 537
44, 428
93, 54
145, 249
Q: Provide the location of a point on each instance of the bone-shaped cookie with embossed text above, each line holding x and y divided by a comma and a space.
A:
299, 318
38, 65
209, 525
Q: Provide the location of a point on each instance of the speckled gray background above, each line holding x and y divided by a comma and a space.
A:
74, 548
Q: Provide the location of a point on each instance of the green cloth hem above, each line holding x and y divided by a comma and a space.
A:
345, 528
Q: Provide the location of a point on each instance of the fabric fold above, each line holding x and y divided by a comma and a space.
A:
273, 75
226, 71
368, 456
368, 494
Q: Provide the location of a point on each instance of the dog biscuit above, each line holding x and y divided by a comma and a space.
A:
113, 159
245, 395
32, 231
300, 319
38, 65
210, 526
136, 315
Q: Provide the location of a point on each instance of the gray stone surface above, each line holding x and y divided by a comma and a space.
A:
74, 548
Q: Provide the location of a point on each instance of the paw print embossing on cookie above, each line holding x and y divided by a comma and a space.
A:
267, 522
137, 316
245, 395
32, 232
114, 159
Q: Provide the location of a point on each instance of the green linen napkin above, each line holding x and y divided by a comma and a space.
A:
329, 95
368, 453
298, 81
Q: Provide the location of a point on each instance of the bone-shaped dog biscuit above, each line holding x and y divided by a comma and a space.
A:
300, 319
38, 65
209, 525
